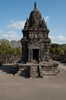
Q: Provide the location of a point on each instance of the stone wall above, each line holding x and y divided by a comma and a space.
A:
9, 58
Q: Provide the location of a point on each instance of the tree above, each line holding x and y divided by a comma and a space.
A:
60, 51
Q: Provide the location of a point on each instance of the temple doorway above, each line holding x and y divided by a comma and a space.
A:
36, 54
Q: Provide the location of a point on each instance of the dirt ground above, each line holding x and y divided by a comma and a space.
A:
20, 88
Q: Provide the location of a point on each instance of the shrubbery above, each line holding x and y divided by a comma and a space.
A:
58, 49
5, 48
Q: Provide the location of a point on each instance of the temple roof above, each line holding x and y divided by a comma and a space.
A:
35, 14
35, 19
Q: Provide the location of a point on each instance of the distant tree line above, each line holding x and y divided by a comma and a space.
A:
8, 53
14, 47
58, 52
6, 48
58, 49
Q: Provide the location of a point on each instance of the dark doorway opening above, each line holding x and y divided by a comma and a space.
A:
36, 54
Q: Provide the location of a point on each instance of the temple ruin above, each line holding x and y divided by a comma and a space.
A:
35, 47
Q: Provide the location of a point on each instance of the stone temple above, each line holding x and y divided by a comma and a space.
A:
35, 47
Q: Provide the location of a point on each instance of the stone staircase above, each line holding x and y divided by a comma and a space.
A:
35, 71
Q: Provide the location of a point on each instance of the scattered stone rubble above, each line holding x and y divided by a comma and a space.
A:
9, 58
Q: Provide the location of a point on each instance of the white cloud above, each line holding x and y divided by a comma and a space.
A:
19, 25
16, 25
61, 38
47, 18
10, 35
58, 39
52, 37
1, 31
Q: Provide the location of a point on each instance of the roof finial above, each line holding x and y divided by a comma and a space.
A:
34, 5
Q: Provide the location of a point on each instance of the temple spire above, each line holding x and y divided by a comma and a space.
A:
34, 5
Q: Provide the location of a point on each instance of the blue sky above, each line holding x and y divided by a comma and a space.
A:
13, 14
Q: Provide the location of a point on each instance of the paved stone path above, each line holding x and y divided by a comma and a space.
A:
19, 88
